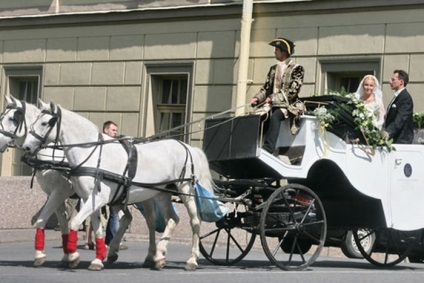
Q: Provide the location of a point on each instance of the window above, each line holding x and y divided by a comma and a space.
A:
345, 81
171, 106
168, 102
23, 84
345, 75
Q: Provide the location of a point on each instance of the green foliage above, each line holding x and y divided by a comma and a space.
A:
418, 120
362, 117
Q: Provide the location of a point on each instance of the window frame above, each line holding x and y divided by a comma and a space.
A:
10, 161
155, 73
332, 69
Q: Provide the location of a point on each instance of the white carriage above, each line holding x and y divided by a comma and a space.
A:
334, 185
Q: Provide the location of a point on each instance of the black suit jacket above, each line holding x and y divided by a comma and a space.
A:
399, 119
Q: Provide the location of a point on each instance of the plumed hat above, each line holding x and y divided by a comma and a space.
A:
284, 44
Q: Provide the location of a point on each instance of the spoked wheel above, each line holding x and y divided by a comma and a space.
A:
293, 220
227, 242
390, 246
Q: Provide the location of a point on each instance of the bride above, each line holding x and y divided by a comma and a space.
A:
369, 90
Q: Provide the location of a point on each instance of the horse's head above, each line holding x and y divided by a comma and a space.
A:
12, 122
43, 129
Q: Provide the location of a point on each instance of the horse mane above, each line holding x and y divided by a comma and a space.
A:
85, 126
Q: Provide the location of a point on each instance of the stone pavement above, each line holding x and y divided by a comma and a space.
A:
28, 235
19, 202
24, 235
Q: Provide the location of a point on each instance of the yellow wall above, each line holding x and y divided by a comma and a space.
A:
99, 68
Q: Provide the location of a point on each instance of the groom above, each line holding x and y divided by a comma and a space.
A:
399, 117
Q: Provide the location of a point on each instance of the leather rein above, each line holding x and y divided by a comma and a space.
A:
124, 180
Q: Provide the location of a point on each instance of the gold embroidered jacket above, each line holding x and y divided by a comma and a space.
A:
287, 94
291, 83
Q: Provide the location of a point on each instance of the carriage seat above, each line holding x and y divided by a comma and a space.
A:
233, 146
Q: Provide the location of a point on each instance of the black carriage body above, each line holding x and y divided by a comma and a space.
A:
232, 147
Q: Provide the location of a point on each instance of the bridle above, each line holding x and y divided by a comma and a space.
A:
18, 120
55, 120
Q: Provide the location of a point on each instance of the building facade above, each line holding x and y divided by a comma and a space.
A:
153, 65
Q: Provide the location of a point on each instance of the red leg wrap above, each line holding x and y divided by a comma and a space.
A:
65, 243
39, 239
72, 241
100, 249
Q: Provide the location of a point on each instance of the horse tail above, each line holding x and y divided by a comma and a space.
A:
202, 171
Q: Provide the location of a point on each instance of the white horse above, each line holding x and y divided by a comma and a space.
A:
14, 124
99, 169
55, 184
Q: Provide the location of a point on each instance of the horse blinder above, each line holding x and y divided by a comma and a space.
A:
18, 120
53, 121
18, 117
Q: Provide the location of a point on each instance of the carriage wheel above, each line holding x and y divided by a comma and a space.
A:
349, 247
227, 242
293, 220
390, 246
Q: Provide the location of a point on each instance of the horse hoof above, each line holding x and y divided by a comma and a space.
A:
74, 263
96, 265
149, 264
65, 258
112, 258
74, 260
39, 261
160, 264
190, 267
64, 262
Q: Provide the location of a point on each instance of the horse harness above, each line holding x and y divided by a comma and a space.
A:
20, 122
18, 119
124, 180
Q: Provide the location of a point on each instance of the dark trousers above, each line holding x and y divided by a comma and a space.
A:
271, 135
112, 225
